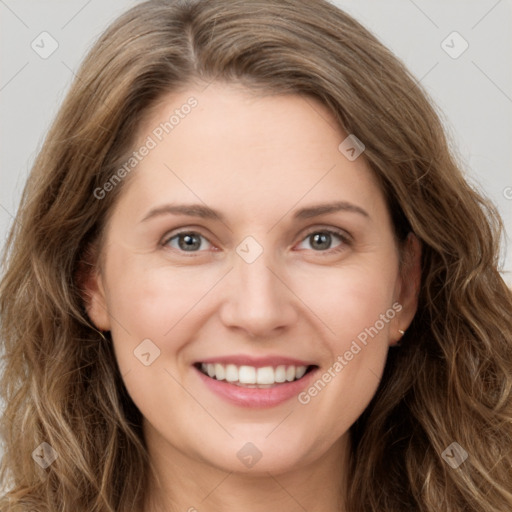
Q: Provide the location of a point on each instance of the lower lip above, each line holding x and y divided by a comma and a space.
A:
257, 397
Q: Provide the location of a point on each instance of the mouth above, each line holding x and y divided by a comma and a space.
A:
255, 377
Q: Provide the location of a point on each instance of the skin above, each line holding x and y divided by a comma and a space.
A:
256, 159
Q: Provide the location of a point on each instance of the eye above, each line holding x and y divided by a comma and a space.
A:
187, 241
321, 240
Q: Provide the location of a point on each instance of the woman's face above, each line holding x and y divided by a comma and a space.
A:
247, 245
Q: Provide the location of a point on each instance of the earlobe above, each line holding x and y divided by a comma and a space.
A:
96, 305
92, 290
409, 287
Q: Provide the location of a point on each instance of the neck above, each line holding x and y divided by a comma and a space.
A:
185, 484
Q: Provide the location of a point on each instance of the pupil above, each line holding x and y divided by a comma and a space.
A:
323, 239
189, 242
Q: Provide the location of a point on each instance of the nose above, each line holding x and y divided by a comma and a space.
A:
258, 299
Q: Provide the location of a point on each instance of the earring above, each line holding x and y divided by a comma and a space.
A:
399, 342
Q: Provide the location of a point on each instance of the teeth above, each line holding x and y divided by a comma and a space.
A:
280, 374
300, 371
247, 375
265, 375
220, 372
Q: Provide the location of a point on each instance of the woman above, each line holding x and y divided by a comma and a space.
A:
247, 273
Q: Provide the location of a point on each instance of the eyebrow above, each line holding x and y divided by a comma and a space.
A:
205, 212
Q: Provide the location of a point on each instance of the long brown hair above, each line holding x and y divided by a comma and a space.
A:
451, 379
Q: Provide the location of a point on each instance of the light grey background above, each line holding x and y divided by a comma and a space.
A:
473, 92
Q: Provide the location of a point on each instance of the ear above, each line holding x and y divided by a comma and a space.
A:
408, 287
92, 290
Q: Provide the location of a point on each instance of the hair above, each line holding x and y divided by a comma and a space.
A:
451, 379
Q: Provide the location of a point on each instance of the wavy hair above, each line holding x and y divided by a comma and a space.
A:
450, 381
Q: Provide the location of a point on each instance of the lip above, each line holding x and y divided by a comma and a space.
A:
257, 362
256, 398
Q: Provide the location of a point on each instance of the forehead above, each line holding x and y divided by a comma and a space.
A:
227, 146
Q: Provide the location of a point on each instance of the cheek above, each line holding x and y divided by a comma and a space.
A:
152, 303
155, 304
348, 299
354, 305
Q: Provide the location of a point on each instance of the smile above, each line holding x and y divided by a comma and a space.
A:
253, 377
255, 382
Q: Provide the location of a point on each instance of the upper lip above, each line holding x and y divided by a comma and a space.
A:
257, 362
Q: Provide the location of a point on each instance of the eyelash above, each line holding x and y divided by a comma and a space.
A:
340, 234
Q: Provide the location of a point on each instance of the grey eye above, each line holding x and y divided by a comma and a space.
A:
187, 241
